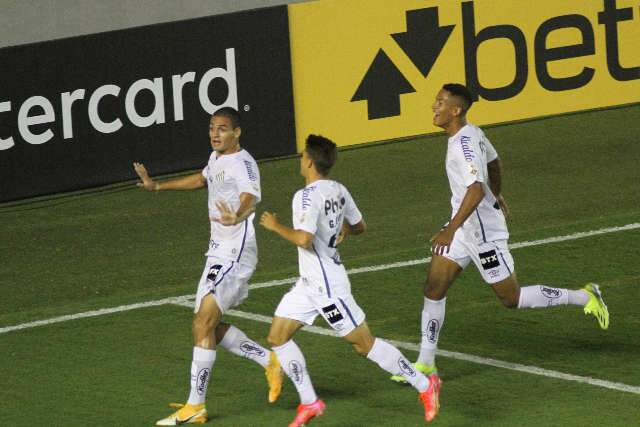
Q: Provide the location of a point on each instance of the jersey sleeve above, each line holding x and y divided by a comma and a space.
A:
205, 173
468, 159
351, 212
306, 209
247, 177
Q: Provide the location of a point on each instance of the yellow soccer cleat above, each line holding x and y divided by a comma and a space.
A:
273, 372
186, 414
596, 305
425, 369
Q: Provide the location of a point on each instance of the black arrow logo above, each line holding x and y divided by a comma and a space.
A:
382, 86
424, 39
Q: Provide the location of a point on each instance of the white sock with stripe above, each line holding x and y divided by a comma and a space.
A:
391, 360
293, 364
237, 342
201, 365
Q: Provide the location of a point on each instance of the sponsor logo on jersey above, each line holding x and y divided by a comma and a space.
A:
551, 293
406, 367
203, 376
248, 347
295, 371
213, 272
489, 260
467, 151
250, 172
332, 314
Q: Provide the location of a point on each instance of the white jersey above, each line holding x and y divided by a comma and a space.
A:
468, 153
320, 209
227, 176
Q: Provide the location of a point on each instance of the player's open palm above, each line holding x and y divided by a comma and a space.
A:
227, 216
147, 183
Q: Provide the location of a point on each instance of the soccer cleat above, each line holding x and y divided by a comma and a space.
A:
425, 369
273, 372
186, 414
307, 412
431, 398
596, 305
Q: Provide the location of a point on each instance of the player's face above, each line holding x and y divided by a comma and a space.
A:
224, 139
444, 108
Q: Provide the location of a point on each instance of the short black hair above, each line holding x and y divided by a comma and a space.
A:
230, 113
460, 91
323, 153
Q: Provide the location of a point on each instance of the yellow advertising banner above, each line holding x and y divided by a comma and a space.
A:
368, 70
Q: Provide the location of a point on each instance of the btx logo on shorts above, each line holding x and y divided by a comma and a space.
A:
489, 260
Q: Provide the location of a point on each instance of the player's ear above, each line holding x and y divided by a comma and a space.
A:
237, 131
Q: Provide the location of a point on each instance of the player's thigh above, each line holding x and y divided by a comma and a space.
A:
443, 271
206, 319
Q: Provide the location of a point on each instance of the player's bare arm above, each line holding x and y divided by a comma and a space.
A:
494, 169
441, 241
298, 237
351, 229
189, 182
230, 217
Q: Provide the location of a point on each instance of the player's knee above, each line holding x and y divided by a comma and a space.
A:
275, 340
203, 326
509, 301
435, 289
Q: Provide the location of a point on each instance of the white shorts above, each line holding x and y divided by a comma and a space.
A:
492, 259
228, 281
342, 313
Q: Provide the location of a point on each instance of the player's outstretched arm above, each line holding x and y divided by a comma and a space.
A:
189, 182
298, 237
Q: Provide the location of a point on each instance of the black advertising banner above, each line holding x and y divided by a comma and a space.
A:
75, 113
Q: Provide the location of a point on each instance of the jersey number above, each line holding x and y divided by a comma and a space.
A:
332, 241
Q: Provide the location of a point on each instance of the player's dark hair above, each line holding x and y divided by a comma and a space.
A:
323, 153
230, 113
460, 91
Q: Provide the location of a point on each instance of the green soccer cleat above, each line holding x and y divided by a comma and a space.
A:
596, 305
425, 369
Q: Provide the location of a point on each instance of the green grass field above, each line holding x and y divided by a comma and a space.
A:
85, 251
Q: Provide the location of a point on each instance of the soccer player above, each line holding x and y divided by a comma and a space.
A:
477, 231
323, 213
233, 183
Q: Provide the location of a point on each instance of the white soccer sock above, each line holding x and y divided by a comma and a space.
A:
391, 360
432, 320
294, 365
200, 374
545, 296
239, 344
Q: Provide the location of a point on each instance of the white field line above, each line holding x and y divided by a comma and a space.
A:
121, 308
455, 355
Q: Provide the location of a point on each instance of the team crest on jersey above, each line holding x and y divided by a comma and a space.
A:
219, 177
472, 169
332, 313
489, 260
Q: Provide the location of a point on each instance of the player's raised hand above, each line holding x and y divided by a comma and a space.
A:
227, 215
269, 220
147, 183
441, 241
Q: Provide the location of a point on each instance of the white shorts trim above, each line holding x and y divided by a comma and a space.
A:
341, 313
492, 259
228, 281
